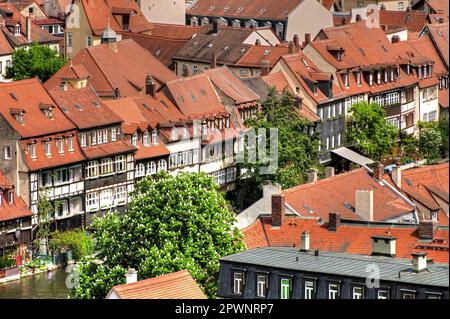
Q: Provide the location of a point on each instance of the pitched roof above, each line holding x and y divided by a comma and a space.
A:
439, 35
5, 46
84, 108
256, 54
177, 285
125, 69
176, 31
16, 97
231, 85
101, 12
18, 209
337, 194
350, 237
413, 21
258, 9
109, 149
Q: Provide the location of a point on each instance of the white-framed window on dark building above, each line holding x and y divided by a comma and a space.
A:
358, 292
309, 289
333, 291
162, 165
92, 201
99, 137
238, 282
140, 170
431, 295
106, 198
151, 168
105, 136
61, 176
285, 288
261, 285
106, 166
407, 294
92, 169
113, 134
120, 195
121, 163
383, 294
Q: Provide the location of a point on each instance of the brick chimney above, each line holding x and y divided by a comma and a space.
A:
291, 48
116, 93
419, 261
378, 171
278, 209
265, 68
396, 175
334, 221
307, 39
213, 64
150, 86
258, 42
364, 204
427, 229
305, 241
329, 171
296, 40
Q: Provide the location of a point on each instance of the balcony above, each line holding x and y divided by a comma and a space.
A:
408, 106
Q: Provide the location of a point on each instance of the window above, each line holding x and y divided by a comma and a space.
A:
174, 134
408, 294
92, 169
358, 293
113, 134
238, 283
46, 178
285, 288
358, 78
99, 137
33, 151
155, 136
333, 291
194, 69
332, 142
89, 40
11, 197
134, 139
173, 160
310, 289
120, 163
425, 117
328, 143
69, 39
345, 79
70, 144
231, 174
63, 208
145, 138
431, 295
140, 170
106, 166
105, 136
333, 110
92, 201
383, 294
47, 148
8, 152
106, 198
61, 176
360, 4
94, 138
162, 165
151, 168
120, 195
60, 145
261, 286
320, 112
400, 5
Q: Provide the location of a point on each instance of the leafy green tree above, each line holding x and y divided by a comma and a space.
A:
369, 132
430, 142
38, 61
76, 241
172, 223
443, 128
297, 150
46, 218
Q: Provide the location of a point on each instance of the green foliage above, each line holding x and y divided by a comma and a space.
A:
369, 132
443, 128
77, 241
430, 142
172, 223
38, 61
297, 151
96, 280
7, 262
46, 216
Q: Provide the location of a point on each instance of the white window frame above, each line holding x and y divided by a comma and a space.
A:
120, 195
383, 291
285, 289
106, 166
92, 201
261, 286
333, 291
92, 169
70, 144
238, 283
121, 163
140, 170
309, 287
106, 198
113, 134
47, 148
358, 292
146, 138
162, 165
8, 152
151, 168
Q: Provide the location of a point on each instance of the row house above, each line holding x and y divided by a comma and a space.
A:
284, 17
15, 218
108, 169
367, 66
40, 151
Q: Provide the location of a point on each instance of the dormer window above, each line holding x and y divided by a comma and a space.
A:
408, 69
227, 122
392, 75
371, 78
70, 144
145, 138
378, 77
345, 79
155, 136
32, 150
185, 131
47, 110
211, 124
419, 72
134, 139
60, 145
430, 69
219, 124
385, 76
425, 73
358, 78
47, 148
397, 70
19, 118
204, 129
17, 30
11, 197
174, 133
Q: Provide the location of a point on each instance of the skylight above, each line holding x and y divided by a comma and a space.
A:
308, 208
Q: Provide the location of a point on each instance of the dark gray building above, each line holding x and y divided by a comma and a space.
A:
287, 273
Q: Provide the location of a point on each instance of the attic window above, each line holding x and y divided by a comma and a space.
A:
11, 197
408, 181
47, 110
78, 107
345, 79
262, 10
17, 30
18, 115
94, 103
349, 206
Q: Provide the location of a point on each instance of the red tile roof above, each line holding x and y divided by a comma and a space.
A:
18, 209
413, 21
16, 96
350, 237
175, 31
444, 98
331, 194
439, 35
273, 10
125, 69
5, 46
256, 54
177, 285
112, 148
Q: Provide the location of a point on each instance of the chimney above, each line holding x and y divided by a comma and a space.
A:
291, 48
334, 220
269, 189
384, 246
213, 61
358, 17
329, 171
364, 204
427, 229
441, 20
116, 94
265, 68
378, 171
304, 244
312, 176
395, 39
131, 276
397, 176
419, 261
343, 21
307, 39
258, 42
150, 86
278, 210
296, 40
215, 26
383, 27
28, 21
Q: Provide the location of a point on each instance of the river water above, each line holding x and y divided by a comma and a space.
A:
49, 285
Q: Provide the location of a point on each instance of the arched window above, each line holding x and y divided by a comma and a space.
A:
151, 168
140, 170
162, 165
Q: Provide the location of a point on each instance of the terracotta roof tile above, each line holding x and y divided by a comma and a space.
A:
440, 38
18, 209
109, 149
176, 32
256, 54
177, 285
414, 21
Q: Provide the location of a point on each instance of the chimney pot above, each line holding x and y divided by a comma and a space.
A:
291, 48
258, 42
131, 276
364, 204
334, 221
316, 252
395, 39
358, 17
305, 241
307, 39
278, 209
265, 68
116, 94
296, 40
378, 171
419, 261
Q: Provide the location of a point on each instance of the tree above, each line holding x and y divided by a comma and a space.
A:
37, 61
46, 217
430, 142
76, 241
172, 223
297, 150
369, 132
443, 128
